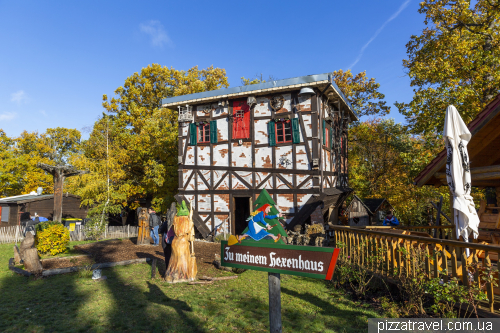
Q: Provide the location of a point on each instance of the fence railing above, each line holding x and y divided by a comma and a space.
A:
15, 234
440, 257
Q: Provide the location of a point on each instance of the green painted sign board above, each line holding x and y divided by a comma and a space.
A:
309, 261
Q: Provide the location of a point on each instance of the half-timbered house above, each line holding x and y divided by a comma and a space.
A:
287, 136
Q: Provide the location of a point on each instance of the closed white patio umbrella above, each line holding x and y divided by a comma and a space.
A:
457, 136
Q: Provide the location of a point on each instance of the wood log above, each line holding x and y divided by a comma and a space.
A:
200, 282
32, 261
16, 269
17, 255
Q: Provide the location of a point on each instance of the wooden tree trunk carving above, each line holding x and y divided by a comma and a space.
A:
59, 172
142, 236
29, 254
182, 266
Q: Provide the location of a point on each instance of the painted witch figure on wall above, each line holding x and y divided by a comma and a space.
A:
182, 265
259, 230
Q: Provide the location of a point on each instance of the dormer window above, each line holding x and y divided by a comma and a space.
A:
185, 113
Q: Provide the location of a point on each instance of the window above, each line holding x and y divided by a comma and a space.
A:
283, 131
241, 120
203, 133
5, 214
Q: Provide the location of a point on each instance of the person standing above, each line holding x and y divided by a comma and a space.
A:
154, 223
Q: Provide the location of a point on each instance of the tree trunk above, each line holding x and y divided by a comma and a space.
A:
182, 265
32, 262
58, 195
17, 255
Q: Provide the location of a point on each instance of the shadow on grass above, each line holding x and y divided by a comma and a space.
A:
347, 317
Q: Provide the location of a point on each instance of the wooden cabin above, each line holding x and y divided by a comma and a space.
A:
484, 156
287, 136
11, 208
367, 212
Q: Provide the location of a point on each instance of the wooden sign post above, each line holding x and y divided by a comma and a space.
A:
309, 261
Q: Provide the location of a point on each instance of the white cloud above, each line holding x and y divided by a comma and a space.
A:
396, 14
19, 97
7, 116
157, 33
43, 112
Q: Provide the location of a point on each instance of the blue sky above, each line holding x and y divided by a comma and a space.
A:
58, 58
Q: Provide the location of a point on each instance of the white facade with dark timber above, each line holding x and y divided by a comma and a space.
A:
234, 142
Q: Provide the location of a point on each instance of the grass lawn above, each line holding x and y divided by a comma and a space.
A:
130, 301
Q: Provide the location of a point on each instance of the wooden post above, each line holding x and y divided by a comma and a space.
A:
438, 217
274, 302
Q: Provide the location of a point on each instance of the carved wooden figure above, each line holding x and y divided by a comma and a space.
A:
182, 266
142, 236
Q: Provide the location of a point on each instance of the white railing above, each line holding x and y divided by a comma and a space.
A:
14, 234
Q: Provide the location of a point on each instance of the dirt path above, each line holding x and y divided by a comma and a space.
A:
119, 250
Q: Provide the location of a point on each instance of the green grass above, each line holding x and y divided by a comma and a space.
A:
130, 301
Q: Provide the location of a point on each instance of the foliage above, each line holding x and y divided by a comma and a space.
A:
383, 161
413, 285
44, 225
19, 156
54, 239
135, 143
455, 60
258, 78
96, 225
362, 93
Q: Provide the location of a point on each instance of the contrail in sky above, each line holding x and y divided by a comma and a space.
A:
403, 6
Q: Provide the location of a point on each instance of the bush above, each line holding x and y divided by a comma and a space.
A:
53, 238
44, 225
94, 228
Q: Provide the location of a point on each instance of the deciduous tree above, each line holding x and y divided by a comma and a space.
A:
455, 60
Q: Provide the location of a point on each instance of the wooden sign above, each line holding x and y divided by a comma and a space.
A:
309, 261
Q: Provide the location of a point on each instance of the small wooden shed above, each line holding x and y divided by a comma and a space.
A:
367, 212
11, 208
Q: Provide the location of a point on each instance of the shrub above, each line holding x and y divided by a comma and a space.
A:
95, 226
44, 225
53, 238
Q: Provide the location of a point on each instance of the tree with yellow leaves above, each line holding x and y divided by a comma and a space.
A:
455, 60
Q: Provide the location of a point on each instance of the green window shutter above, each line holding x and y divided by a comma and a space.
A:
272, 133
193, 138
295, 130
213, 131
324, 131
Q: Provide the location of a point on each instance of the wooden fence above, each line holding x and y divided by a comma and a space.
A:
14, 234
440, 257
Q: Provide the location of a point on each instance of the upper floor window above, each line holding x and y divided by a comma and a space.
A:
241, 120
283, 131
185, 113
203, 133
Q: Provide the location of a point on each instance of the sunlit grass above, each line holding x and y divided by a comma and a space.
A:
130, 301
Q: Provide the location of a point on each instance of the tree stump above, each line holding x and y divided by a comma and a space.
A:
17, 255
31, 261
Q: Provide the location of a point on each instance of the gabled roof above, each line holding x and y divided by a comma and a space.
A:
484, 131
371, 205
31, 197
325, 81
